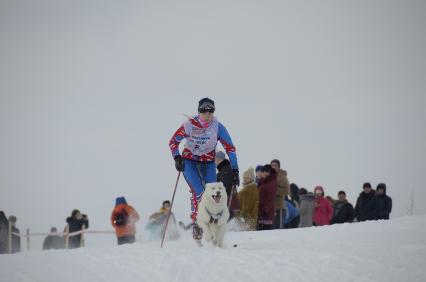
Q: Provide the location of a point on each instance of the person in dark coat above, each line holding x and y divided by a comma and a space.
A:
4, 233
267, 191
343, 211
16, 239
226, 176
366, 206
76, 223
384, 202
294, 191
53, 240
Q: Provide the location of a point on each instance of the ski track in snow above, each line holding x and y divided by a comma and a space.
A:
392, 250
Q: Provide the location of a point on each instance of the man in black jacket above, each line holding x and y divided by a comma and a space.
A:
343, 210
76, 223
384, 202
53, 240
366, 206
226, 176
4, 233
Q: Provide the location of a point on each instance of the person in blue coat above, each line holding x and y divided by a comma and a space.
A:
202, 133
292, 217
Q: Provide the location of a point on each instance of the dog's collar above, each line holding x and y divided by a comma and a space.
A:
214, 217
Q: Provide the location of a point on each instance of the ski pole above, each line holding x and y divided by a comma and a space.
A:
170, 211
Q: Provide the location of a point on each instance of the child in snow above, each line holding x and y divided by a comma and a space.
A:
157, 222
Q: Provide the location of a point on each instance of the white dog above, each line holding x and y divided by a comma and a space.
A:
213, 213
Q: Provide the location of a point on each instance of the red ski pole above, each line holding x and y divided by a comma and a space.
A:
170, 211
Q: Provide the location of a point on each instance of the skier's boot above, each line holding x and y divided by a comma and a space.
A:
197, 234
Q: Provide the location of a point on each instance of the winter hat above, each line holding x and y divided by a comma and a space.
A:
268, 168
341, 193
220, 155
366, 185
294, 189
319, 188
120, 201
381, 186
248, 176
259, 168
206, 105
303, 191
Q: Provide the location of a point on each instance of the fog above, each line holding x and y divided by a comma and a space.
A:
92, 91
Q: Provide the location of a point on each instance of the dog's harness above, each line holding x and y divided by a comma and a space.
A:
214, 217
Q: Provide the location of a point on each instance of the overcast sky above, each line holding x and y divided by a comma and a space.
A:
92, 91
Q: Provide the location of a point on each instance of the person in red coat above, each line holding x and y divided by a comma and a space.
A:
267, 191
323, 210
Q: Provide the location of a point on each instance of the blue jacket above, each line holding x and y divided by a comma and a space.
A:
292, 212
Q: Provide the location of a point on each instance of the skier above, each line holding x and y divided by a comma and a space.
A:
202, 133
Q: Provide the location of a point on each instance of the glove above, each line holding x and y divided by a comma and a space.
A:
179, 163
235, 177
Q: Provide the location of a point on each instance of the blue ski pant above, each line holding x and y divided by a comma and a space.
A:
197, 175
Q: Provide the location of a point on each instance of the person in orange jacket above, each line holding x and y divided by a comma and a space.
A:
123, 219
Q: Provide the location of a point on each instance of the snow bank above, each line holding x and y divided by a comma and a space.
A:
373, 251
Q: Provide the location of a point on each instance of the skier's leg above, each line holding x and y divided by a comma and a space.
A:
210, 172
193, 179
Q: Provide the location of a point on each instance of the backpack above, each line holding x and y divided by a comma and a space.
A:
121, 218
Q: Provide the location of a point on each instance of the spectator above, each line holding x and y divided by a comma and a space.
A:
75, 223
323, 209
292, 218
249, 200
4, 234
258, 174
384, 202
343, 211
267, 191
366, 206
306, 208
294, 191
157, 223
283, 190
16, 239
53, 240
331, 200
226, 176
123, 219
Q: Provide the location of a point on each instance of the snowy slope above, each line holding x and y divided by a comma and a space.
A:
374, 251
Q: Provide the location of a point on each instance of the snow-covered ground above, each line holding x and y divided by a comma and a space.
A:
374, 251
